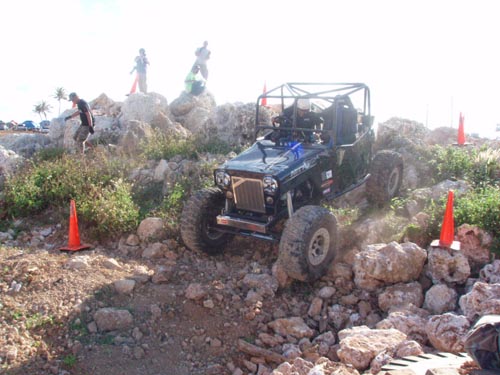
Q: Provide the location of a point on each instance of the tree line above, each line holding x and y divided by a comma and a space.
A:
42, 108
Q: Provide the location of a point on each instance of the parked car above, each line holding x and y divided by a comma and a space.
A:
29, 125
44, 126
11, 125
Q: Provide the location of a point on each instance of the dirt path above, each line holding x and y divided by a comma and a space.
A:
48, 307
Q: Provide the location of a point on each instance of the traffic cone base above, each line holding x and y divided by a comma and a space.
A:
455, 245
74, 243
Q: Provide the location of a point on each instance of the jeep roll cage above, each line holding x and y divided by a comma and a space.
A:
332, 101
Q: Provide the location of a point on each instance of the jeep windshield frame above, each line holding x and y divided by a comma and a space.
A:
322, 96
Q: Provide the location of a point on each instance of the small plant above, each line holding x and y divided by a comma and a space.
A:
105, 340
345, 216
69, 360
37, 320
16, 315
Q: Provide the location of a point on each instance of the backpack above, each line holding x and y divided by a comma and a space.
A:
482, 343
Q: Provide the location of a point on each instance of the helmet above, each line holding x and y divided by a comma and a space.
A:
303, 104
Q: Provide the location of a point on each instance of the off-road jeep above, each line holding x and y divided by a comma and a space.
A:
285, 175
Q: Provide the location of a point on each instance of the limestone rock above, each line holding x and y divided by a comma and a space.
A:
412, 323
401, 295
151, 228
491, 272
294, 326
143, 107
360, 345
124, 286
483, 299
111, 319
440, 298
447, 332
389, 264
448, 267
475, 245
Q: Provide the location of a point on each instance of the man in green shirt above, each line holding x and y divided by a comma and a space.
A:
194, 85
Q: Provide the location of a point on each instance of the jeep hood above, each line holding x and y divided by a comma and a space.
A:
266, 158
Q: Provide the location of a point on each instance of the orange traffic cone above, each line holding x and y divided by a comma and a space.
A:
461, 135
74, 236
134, 85
264, 99
448, 227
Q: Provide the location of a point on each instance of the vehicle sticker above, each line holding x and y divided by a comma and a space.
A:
295, 172
327, 183
326, 175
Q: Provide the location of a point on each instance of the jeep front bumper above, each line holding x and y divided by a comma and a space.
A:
242, 224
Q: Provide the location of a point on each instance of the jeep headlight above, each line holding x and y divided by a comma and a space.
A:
222, 179
270, 185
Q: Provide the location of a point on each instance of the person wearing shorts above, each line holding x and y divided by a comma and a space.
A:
87, 121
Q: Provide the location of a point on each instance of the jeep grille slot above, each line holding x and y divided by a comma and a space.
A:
248, 194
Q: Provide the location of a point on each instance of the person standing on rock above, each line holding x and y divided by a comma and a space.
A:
87, 121
141, 66
202, 55
194, 85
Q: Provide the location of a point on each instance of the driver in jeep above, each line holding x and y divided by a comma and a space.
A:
305, 119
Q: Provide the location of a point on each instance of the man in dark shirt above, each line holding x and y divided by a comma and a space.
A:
305, 119
141, 65
87, 120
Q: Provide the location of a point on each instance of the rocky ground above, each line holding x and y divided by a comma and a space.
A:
146, 306
171, 309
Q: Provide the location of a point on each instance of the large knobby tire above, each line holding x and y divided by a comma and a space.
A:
198, 219
308, 243
386, 176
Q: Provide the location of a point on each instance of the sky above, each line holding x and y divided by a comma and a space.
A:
424, 60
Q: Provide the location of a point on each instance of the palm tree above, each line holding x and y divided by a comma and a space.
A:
60, 94
42, 108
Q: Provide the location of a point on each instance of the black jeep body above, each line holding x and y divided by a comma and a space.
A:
288, 172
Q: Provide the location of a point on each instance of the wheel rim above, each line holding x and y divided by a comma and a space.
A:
392, 186
318, 247
211, 234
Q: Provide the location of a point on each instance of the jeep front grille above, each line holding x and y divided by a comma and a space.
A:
248, 194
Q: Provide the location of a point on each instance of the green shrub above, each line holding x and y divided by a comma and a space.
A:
164, 146
481, 167
480, 207
95, 183
110, 208
215, 146
451, 163
47, 154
